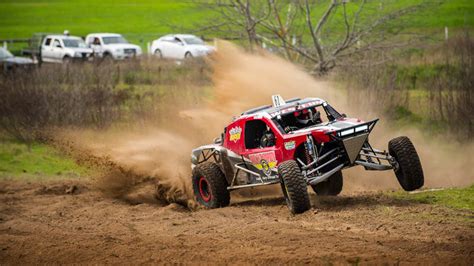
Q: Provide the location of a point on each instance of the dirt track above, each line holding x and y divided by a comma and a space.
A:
43, 223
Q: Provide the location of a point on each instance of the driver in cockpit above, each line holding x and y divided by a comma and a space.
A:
308, 117
267, 139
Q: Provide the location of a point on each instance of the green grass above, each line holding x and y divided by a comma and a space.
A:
144, 20
458, 198
41, 162
140, 21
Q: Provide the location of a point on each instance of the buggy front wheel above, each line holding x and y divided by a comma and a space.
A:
408, 169
294, 187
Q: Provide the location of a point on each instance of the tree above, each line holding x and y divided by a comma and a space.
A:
317, 33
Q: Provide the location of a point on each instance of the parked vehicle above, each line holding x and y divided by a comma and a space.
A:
180, 46
64, 48
112, 46
291, 144
8, 61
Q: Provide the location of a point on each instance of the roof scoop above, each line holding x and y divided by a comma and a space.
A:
278, 100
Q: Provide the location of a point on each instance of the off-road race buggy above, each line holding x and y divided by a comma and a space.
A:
291, 143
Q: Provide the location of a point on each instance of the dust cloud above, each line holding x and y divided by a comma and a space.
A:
245, 80
161, 151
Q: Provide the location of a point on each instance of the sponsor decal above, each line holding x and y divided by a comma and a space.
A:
235, 134
264, 161
290, 145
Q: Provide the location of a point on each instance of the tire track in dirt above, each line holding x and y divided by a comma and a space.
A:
43, 224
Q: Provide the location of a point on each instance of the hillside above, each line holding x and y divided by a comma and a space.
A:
139, 21
143, 20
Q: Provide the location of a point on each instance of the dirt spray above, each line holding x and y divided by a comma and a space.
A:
241, 81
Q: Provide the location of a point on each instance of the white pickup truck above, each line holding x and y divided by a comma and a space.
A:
112, 46
64, 48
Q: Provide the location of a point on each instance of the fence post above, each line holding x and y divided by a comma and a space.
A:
148, 48
5, 45
446, 33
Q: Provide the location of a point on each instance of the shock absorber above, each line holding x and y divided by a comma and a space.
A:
310, 152
308, 157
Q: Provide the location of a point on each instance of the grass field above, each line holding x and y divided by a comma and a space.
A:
139, 21
459, 198
144, 20
41, 162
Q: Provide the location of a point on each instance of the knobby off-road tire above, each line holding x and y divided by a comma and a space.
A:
331, 187
294, 187
409, 172
210, 186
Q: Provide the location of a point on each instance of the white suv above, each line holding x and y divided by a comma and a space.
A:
112, 45
64, 48
180, 46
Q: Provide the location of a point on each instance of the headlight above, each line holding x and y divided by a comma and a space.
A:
77, 54
354, 130
118, 50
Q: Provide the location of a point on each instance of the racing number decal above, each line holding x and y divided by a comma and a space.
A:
264, 161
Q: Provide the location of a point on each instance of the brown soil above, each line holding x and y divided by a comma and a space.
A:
70, 222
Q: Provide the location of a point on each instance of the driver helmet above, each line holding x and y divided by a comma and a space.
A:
303, 116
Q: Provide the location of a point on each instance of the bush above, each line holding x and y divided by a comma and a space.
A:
88, 95
439, 89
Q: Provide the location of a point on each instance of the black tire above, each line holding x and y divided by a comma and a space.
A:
210, 186
409, 171
331, 187
67, 60
294, 187
107, 58
158, 53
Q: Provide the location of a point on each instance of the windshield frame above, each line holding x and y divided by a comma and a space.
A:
79, 41
106, 40
187, 39
331, 116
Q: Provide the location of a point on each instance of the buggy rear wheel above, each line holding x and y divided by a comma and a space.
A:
210, 186
409, 171
294, 187
331, 187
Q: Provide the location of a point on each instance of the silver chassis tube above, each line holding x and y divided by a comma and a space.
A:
383, 155
321, 178
374, 166
240, 168
317, 159
373, 153
322, 165
253, 185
